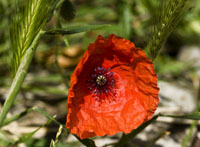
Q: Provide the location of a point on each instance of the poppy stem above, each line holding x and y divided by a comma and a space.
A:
126, 137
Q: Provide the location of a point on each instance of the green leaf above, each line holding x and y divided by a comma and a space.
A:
126, 137
76, 29
193, 116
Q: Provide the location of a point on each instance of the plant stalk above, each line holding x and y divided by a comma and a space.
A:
127, 137
19, 78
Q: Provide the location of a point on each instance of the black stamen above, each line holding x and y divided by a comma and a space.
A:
101, 81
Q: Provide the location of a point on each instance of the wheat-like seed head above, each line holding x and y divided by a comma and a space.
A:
27, 19
167, 16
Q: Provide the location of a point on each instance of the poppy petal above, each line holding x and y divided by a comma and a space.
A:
124, 96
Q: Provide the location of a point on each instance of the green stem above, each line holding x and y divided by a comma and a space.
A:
194, 123
19, 78
189, 135
16, 117
126, 137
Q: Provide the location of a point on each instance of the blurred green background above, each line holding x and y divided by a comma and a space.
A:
47, 83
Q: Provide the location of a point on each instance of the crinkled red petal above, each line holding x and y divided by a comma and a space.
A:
135, 96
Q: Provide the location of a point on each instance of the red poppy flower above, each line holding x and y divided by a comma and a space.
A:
113, 89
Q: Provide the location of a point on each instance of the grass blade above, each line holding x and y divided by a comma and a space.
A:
30, 135
16, 117
189, 135
193, 116
25, 31
18, 80
75, 29
46, 115
87, 142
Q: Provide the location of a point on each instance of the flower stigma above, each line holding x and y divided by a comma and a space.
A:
101, 80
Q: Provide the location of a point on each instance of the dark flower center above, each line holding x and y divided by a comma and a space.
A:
101, 81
